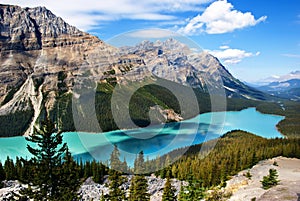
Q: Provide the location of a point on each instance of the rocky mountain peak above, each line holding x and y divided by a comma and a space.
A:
173, 60
34, 28
174, 44
51, 25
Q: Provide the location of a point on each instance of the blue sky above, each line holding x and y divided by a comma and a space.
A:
254, 39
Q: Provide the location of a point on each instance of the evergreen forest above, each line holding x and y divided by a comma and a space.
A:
52, 173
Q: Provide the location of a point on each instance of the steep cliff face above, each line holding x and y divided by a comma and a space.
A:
37, 50
34, 28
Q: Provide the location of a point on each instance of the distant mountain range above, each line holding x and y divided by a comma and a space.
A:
281, 86
285, 89
43, 58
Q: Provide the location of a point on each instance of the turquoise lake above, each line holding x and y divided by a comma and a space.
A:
155, 140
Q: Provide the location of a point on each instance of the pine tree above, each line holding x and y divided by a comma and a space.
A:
139, 185
9, 168
115, 177
254, 159
47, 161
169, 191
23, 169
139, 164
167, 161
87, 169
81, 169
273, 176
182, 193
69, 178
125, 168
194, 191
138, 190
163, 173
248, 174
270, 180
96, 172
157, 163
2, 175
116, 180
115, 162
237, 164
131, 190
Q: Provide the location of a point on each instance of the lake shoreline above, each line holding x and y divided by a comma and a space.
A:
157, 140
131, 129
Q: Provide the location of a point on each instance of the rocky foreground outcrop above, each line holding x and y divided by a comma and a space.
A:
245, 189
241, 187
9, 189
90, 190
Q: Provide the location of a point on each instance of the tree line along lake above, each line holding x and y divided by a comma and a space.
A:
155, 140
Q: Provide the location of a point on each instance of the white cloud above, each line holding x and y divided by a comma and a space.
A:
231, 56
90, 13
220, 17
152, 33
224, 47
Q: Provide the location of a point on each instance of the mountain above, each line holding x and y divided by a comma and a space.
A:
285, 89
281, 86
46, 62
284, 86
40, 56
175, 61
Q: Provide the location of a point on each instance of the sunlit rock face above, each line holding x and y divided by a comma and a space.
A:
38, 48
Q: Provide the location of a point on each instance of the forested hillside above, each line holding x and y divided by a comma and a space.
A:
154, 94
235, 151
